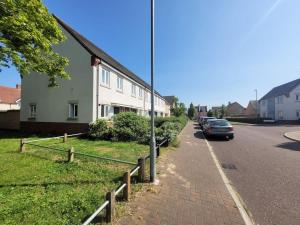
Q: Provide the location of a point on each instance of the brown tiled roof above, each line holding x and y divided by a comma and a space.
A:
9, 95
99, 53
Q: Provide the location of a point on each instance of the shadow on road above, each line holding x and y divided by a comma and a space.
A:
293, 146
200, 135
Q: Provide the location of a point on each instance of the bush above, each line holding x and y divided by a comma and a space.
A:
100, 130
247, 120
129, 126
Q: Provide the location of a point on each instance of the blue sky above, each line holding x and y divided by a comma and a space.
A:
207, 52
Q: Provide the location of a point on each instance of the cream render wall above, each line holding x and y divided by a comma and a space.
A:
52, 103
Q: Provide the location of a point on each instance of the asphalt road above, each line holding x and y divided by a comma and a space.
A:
264, 167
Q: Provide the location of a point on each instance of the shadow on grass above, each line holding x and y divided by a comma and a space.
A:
293, 146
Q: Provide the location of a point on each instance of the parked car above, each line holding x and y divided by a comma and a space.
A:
218, 127
203, 120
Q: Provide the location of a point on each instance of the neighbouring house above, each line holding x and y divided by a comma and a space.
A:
282, 102
100, 87
216, 110
171, 100
235, 109
200, 111
10, 98
252, 109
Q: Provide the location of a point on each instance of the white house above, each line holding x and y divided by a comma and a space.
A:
282, 102
10, 98
100, 87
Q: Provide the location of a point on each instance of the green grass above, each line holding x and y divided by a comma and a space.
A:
40, 187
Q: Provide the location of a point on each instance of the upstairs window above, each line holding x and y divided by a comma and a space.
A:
133, 90
280, 99
140, 93
146, 96
263, 102
297, 97
119, 83
73, 110
105, 78
32, 110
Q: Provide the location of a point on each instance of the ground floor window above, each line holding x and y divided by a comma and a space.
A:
298, 114
280, 115
104, 110
32, 110
73, 110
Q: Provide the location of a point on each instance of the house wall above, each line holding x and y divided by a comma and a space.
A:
112, 97
52, 103
5, 106
288, 107
10, 120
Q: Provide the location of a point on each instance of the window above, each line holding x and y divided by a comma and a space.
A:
146, 96
279, 99
280, 115
133, 90
32, 110
140, 93
263, 102
298, 114
120, 83
73, 110
297, 97
105, 77
104, 110
155, 100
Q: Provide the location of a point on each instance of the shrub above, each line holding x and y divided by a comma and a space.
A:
129, 126
100, 130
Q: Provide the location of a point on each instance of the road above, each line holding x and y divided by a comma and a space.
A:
264, 167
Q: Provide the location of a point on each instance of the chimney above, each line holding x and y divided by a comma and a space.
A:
18, 86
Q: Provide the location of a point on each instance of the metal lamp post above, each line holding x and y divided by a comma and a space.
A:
152, 144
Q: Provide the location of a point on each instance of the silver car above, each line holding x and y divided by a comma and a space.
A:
204, 119
218, 127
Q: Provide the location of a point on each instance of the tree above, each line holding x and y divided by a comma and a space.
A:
191, 111
179, 109
210, 113
223, 111
27, 33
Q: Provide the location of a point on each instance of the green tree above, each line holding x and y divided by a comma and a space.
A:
210, 113
223, 111
27, 33
179, 109
191, 111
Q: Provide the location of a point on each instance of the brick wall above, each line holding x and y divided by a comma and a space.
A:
10, 120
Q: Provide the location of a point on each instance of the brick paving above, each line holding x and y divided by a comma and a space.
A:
190, 192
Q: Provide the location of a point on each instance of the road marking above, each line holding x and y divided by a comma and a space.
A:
242, 209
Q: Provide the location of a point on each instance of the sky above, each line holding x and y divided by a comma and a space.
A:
206, 52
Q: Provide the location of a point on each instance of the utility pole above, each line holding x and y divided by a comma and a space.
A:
152, 144
256, 106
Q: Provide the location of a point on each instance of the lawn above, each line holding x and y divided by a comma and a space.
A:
40, 187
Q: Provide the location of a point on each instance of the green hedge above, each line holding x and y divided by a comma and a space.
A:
247, 120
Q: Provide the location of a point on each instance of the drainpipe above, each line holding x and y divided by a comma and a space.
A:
97, 94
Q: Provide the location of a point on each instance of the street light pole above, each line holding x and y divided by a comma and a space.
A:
256, 106
152, 144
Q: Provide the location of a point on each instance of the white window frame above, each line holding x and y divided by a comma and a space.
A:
133, 90
263, 102
140, 93
120, 83
280, 99
297, 97
73, 110
32, 110
280, 115
105, 112
105, 77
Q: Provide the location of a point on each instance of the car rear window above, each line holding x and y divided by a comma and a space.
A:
222, 123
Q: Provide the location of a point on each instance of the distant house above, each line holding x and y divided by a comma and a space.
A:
251, 110
282, 102
171, 100
200, 111
100, 87
235, 109
216, 110
10, 98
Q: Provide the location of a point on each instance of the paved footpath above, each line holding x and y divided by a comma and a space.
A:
191, 190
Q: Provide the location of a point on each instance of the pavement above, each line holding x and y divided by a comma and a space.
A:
264, 167
190, 192
293, 135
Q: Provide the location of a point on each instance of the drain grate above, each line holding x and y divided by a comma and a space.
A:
229, 166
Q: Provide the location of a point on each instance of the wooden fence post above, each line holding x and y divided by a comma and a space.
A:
157, 151
71, 155
126, 193
110, 209
65, 137
141, 171
22, 145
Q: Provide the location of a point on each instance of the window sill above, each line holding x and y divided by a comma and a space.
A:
105, 86
31, 119
133, 96
72, 119
120, 91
